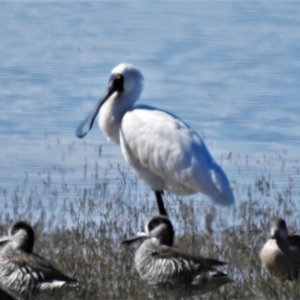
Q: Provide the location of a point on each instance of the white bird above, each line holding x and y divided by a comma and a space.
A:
162, 150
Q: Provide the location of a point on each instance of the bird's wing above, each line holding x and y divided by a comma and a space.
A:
176, 266
161, 144
294, 242
39, 268
206, 263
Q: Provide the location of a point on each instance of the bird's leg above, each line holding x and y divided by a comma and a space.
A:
160, 203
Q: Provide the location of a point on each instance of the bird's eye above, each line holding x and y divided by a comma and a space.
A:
119, 83
15, 229
154, 224
119, 77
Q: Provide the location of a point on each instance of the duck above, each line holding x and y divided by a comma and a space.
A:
280, 255
24, 274
161, 265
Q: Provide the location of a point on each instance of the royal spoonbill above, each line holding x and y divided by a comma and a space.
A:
162, 150
171, 270
24, 274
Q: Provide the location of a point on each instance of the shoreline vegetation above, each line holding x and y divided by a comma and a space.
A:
80, 228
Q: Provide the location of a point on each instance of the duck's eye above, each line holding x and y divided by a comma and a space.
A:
154, 224
14, 230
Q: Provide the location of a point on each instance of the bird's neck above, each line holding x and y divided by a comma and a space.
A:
111, 115
283, 245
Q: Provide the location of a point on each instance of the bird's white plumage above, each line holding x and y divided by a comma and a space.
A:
113, 110
162, 150
169, 155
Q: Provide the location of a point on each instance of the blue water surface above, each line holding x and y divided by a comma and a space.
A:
229, 69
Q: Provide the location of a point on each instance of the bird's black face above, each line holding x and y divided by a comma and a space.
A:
28, 243
116, 83
157, 221
161, 228
281, 224
279, 229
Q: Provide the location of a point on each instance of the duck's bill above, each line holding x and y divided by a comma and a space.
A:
130, 240
3, 240
87, 124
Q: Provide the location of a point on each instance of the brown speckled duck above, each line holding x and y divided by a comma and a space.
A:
23, 274
170, 270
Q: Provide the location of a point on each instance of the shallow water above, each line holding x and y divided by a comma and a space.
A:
229, 69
